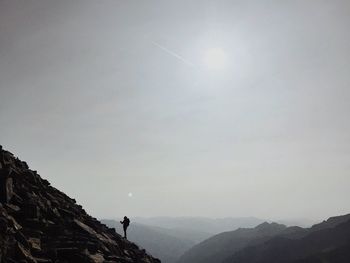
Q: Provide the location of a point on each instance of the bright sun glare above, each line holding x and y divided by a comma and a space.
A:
215, 59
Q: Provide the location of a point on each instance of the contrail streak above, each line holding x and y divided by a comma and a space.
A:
174, 54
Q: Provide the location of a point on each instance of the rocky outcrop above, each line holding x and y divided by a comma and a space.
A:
39, 223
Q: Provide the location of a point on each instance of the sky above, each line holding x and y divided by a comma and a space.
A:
181, 108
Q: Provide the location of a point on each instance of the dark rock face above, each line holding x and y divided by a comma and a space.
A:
38, 223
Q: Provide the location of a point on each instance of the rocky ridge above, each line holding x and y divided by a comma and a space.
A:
40, 224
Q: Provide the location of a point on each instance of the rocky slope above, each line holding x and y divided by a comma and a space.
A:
39, 223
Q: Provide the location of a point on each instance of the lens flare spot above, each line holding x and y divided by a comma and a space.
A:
215, 59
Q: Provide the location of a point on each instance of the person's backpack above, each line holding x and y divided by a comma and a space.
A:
127, 221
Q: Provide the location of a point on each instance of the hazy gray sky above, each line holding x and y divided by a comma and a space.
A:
212, 108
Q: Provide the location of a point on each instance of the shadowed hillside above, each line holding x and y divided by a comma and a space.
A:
325, 242
219, 247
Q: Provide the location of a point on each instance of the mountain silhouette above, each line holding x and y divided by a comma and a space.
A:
218, 247
330, 222
272, 242
40, 224
328, 241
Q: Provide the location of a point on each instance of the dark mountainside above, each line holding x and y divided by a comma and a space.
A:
38, 223
267, 240
327, 242
330, 222
155, 240
219, 247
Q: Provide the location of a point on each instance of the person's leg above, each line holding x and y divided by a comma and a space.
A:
124, 231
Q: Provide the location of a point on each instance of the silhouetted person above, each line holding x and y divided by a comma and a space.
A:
125, 223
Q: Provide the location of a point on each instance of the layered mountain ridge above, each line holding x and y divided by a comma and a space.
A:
168, 238
218, 247
327, 241
40, 224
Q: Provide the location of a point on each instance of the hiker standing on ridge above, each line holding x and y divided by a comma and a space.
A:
125, 224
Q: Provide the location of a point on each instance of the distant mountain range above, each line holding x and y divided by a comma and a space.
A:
221, 246
168, 238
327, 242
249, 240
210, 226
156, 240
240, 240
272, 242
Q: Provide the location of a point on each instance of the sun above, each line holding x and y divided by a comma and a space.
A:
215, 59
